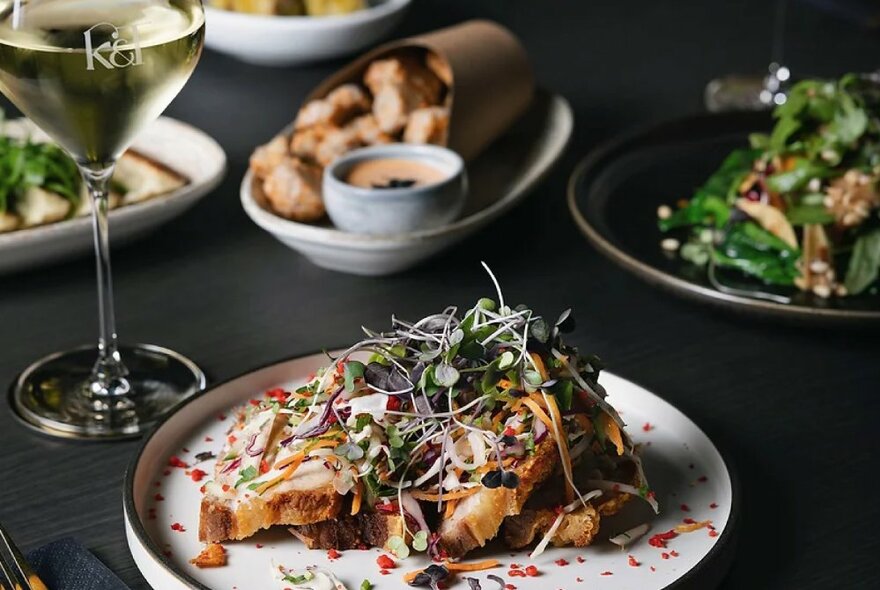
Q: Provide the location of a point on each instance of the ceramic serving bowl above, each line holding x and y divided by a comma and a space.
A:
292, 40
389, 211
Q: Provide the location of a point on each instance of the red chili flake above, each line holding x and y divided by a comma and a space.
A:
580, 559
509, 431
713, 505
385, 562
174, 461
607, 574
278, 394
254, 402
221, 417
384, 572
651, 494
673, 553
653, 569
689, 521
664, 555
713, 533
515, 566
197, 475
531, 571
209, 439
561, 562
702, 479
579, 579
226, 487
660, 539
231, 438
157, 484
259, 545
632, 561
393, 403
509, 587
516, 574
685, 508
387, 508
648, 427
158, 497
264, 466
178, 527
203, 489
333, 554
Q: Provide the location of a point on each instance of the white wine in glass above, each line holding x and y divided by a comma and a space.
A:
91, 74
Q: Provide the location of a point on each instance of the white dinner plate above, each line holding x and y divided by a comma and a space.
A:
686, 471
498, 180
178, 146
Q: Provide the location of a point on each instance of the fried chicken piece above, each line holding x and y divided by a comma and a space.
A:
266, 157
335, 143
213, 555
366, 129
293, 189
578, 527
400, 85
304, 143
428, 125
339, 107
477, 518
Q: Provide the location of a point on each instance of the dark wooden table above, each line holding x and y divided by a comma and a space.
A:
796, 409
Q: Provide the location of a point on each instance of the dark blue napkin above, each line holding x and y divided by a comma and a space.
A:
67, 565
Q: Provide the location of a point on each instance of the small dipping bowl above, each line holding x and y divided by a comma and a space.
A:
403, 188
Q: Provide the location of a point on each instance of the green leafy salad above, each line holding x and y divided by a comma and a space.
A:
800, 207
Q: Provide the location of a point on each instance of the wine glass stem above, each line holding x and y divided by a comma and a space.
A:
109, 374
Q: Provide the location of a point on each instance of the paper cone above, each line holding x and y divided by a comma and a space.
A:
491, 87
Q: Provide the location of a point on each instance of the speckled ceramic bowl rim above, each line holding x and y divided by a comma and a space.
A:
453, 168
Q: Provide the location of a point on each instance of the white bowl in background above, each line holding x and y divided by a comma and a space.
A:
292, 40
387, 211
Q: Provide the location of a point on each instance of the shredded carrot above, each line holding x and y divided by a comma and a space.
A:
559, 433
584, 423
612, 431
496, 419
358, 494
316, 445
454, 566
477, 566
539, 363
430, 497
288, 473
694, 526
450, 508
505, 384
295, 458
538, 412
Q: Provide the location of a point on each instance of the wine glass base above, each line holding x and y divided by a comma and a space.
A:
50, 395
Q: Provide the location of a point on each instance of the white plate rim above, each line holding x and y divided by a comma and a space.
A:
719, 556
331, 236
204, 186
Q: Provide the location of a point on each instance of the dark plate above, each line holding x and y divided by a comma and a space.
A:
614, 193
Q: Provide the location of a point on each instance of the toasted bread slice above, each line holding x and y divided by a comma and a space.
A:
477, 518
144, 178
366, 529
231, 509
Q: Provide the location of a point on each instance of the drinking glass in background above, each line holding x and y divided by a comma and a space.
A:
91, 74
754, 93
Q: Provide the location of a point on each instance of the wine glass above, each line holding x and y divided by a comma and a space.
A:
754, 93
91, 74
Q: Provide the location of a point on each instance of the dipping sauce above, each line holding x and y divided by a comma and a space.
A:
393, 173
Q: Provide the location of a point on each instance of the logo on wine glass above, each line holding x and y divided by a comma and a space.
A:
115, 52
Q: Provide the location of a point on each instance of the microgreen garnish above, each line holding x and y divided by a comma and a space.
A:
246, 475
